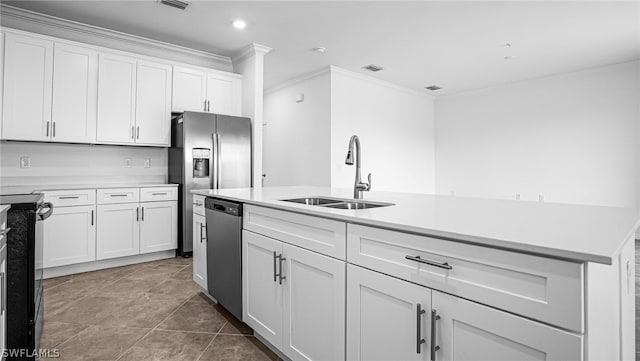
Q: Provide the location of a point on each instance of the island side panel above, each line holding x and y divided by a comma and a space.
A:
610, 307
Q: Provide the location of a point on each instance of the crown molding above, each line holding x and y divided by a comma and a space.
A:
384, 83
298, 79
252, 49
22, 16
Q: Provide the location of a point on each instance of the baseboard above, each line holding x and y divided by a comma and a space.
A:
271, 347
106, 263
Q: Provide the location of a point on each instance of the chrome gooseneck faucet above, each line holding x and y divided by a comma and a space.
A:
358, 186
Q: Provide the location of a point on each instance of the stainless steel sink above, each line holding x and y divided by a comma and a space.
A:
339, 203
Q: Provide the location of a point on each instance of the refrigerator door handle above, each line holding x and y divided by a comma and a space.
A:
219, 166
214, 160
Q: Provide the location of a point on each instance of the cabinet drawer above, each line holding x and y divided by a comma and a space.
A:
198, 204
544, 289
76, 197
158, 194
118, 195
316, 234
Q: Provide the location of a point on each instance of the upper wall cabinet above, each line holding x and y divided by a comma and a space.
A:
75, 89
28, 77
200, 91
134, 100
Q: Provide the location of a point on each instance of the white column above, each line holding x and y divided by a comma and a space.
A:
250, 63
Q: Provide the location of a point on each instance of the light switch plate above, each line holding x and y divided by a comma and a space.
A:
25, 162
127, 162
147, 163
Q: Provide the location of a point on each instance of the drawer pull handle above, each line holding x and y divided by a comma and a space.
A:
419, 339
117, 195
68, 197
444, 265
434, 348
159, 194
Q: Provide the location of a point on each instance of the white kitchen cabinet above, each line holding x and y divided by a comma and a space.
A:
469, 331
224, 94
158, 226
383, 316
313, 309
153, 104
70, 236
75, 92
294, 298
118, 232
189, 90
262, 293
200, 251
116, 99
28, 69
201, 91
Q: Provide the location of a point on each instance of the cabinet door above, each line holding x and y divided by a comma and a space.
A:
70, 236
470, 331
28, 68
75, 92
153, 103
118, 230
200, 251
116, 99
224, 94
262, 293
158, 226
189, 89
314, 305
383, 319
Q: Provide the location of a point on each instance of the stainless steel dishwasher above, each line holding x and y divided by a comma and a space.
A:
224, 253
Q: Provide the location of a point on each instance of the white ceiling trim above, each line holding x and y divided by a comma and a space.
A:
298, 79
250, 50
370, 79
113, 35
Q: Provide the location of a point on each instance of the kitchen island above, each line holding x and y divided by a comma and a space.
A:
505, 279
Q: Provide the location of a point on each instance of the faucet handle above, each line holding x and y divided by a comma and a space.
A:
368, 183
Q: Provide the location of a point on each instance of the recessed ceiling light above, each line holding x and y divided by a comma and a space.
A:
319, 49
239, 24
373, 67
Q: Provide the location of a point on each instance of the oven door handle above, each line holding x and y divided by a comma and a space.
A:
42, 216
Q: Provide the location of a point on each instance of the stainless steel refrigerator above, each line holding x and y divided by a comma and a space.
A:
207, 151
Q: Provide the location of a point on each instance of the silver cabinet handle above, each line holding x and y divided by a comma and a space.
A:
280, 276
434, 348
68, 197
47, 129
208, 105
143, 213
444, 265
159, 194
92, 217
275, 272
138, 133
205, 105
117, 195
137, 214
419, 339
54, 129
133, 132
203, 235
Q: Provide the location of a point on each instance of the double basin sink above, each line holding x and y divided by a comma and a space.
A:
339, 203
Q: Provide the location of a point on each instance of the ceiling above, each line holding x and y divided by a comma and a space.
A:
455, 45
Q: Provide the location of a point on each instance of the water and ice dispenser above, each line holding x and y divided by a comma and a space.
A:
201, 157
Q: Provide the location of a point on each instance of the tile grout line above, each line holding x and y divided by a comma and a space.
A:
213, 339
154, 328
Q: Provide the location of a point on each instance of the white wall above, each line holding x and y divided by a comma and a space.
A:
396, 131
572, 138
79, 164
297, 142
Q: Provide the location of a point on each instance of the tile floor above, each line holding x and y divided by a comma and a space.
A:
149, 311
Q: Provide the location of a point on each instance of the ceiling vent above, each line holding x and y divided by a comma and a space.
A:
432, 87
182, 5
372, 67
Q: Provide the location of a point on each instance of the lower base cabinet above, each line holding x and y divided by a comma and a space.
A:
385, 322
70, 236
156, 232
294, 298
200, 251
118, 231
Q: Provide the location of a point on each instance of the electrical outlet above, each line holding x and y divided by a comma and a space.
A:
128, 162
147, 163
25, 162
540, 198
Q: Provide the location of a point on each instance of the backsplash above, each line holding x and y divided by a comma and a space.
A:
55, 163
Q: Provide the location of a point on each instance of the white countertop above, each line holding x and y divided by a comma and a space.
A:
31, 188
574, 232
